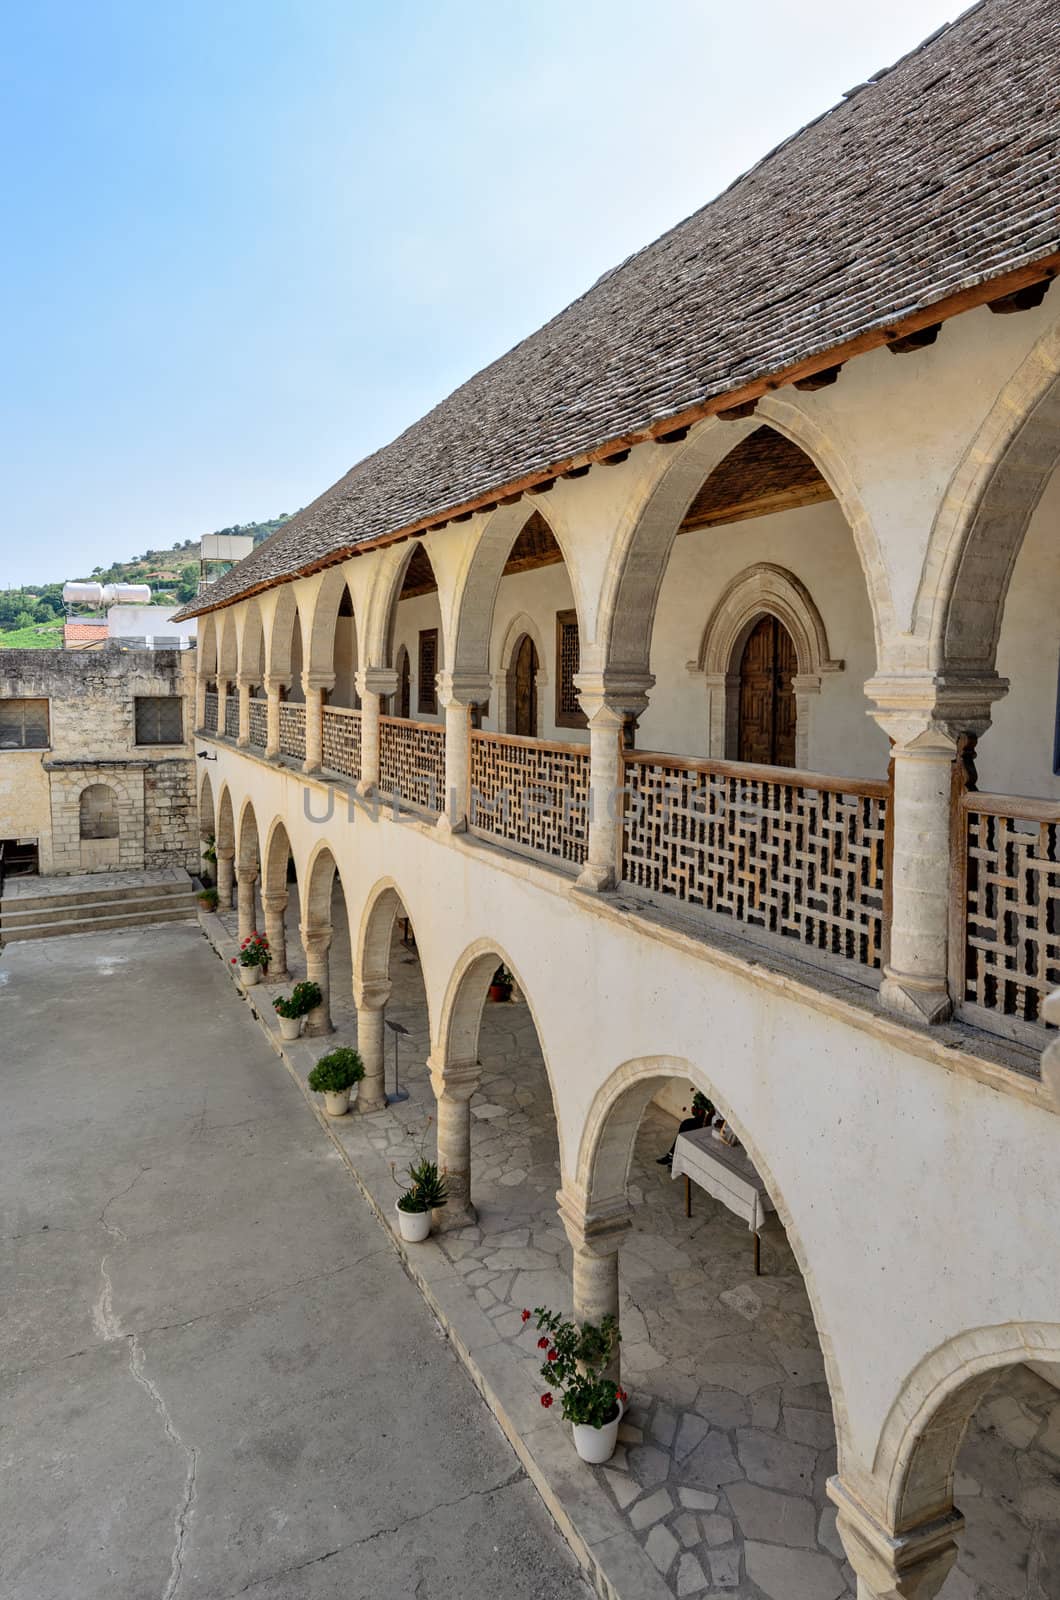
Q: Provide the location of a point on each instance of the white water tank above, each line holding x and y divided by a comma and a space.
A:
107, 594
83, 594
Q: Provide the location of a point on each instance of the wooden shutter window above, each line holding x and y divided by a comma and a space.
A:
426, 688
569, 713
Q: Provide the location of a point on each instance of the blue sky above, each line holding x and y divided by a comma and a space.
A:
247, 241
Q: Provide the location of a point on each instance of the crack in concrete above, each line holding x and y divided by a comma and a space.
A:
108, 1327
381, 1533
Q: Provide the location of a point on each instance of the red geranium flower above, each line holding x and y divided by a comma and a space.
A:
233, 960
526, 1316
553, 1355
542, 1344
620, 1394
546, 1400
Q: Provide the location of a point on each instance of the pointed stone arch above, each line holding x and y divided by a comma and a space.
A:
252, 645
275, 857
282, 651
333, 596
206, 647
761, 590
207, 817
248, 849
228, 650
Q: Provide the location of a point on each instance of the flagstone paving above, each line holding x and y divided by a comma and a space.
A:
729, 1440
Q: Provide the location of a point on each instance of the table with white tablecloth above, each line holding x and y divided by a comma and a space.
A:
726, 1173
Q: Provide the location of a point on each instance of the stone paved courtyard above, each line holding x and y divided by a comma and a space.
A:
729, 1439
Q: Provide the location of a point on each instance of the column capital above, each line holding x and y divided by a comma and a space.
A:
912, 1565
464, 688
456, 1079
245, 680
610, 696
317, 939
225, 852
597, 1227
246, 874
318, 680
275, 682
274, 899
371, 994
376, 680
926, 713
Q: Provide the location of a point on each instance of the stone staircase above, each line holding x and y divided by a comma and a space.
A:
47, 908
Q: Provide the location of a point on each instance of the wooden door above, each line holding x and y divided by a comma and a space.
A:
404, 695
767, 697
524, 693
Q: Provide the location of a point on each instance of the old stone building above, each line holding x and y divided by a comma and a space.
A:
96, 760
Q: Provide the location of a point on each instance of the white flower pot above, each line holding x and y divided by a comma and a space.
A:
415, 1226
597, 1445
290, 1027
336, 1103
249, 976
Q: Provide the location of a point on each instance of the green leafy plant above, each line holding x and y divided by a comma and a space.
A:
576, 1359
209, 852
503, 981
253, 952
427, 1188
208, 899
301, 1000
339, 1069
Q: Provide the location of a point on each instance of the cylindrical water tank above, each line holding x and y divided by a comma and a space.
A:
83, 594
127, 594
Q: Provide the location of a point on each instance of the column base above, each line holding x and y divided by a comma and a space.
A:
596, 880
447, 1219
319, 1030
446, 825
910, 997
278, 975
368, 1107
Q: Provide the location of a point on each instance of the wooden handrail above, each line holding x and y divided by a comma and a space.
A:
790, 777
1024, 807
345, 711
523, 742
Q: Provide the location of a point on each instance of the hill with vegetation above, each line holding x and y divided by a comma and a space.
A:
31, 618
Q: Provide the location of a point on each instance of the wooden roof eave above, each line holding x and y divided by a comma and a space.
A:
883, 333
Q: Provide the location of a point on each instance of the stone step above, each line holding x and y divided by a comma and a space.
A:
37, 913
112, 889
99, 924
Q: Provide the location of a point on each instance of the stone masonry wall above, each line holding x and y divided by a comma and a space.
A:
92, 716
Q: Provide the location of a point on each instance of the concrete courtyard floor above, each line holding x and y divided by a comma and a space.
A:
720, 1476
215, 1377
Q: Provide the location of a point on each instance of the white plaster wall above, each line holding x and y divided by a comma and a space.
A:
423, 611
920, 1201
540, 594
1016, 754
815, 544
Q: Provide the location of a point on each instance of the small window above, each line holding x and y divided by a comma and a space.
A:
159, 719
569, 713
24, 725
426, 688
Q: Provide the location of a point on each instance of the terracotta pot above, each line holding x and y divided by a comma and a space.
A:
597, 1445
414, 1225
499, 992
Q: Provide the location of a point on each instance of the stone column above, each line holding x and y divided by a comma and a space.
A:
243, 684
374, 684
200, 702
317, 945
909, 1565
315, 685
246, 878
225, 877
458, 693
595, 1234
274, 905
273, 688
224, 687
609, 702
454, 1084
371, 999
925, 717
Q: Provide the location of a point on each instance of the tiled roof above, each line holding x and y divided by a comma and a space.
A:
76, 635
935, 176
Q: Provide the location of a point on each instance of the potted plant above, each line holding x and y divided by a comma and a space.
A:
298, 1004
208, 899
576, 1360
501, 984
253, 959
336, 1077
426, 1192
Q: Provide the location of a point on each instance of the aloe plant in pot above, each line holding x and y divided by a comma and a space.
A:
427, 1191
336, 1077
298, 1004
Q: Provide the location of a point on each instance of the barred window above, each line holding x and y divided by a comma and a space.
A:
426, 688
159, 719
569, 713
24, 725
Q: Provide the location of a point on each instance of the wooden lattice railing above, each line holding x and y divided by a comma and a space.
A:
412, 762
1005, 928
232, 716
532, 794
209, 720
292, 729
781, 852
342, 741
259, 723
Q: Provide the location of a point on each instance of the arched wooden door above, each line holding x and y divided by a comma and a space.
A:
524, 689
767, 697
404, 690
